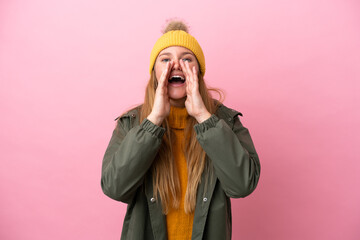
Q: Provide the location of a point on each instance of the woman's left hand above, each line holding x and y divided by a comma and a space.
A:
194, 104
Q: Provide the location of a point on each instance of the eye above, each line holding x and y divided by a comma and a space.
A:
165, 60
186, 59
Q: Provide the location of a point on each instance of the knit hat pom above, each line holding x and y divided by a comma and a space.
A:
175, 24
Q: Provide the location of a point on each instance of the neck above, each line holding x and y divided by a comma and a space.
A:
180, 103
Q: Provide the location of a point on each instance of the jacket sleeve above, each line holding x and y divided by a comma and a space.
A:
232, 152
128, 157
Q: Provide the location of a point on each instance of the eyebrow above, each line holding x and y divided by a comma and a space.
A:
164, 54
184, 53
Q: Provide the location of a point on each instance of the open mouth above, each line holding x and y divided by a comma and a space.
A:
176, 79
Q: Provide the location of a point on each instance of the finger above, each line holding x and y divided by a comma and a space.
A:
188, 73
165, 73
189, 86
184, 70
192, 71
161, 80
188, 67
196, 79
191, 76
169, 66
195, 72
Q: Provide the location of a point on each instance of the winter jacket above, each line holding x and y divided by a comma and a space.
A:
132, 150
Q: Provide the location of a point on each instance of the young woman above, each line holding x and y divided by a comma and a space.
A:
178, 158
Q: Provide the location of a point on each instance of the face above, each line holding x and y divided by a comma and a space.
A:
176, 80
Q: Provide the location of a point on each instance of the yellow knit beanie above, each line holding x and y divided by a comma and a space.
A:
178, 38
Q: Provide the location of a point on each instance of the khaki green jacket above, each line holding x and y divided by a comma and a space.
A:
133, 148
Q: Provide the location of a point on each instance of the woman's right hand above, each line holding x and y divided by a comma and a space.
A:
161, 107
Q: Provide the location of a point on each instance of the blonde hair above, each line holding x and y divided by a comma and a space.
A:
166, 183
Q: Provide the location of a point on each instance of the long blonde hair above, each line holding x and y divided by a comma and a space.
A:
166, 183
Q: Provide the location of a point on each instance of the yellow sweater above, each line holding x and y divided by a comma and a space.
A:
179, 224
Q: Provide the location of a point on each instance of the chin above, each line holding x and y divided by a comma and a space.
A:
177, 95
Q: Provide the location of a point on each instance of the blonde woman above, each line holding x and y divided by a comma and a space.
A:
178, 158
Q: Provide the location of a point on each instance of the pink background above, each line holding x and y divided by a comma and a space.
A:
68, 68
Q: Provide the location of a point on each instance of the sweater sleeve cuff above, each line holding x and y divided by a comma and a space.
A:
152, 128
208, 123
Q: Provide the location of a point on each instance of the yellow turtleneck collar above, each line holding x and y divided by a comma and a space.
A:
177, 117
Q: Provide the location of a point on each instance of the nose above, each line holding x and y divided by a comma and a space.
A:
176, 65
